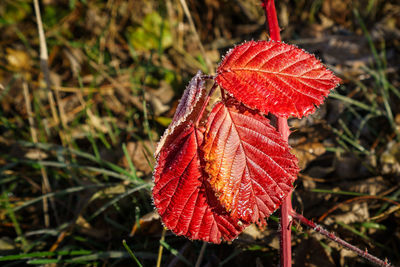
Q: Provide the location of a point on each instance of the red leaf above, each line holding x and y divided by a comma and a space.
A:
183, 197
187, 110
275, 77
250, 165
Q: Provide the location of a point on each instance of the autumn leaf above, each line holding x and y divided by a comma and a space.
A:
275, 77
249, 164
187, 110
182, 195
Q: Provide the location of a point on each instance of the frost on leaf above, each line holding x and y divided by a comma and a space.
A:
275, 77
249, 164
191, 101
182, 195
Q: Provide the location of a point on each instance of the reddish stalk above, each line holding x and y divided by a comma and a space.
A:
283, 128
333, 237
270, 12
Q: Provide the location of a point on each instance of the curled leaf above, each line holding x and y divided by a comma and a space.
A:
191, 101
182, 195
275, 77
249, 164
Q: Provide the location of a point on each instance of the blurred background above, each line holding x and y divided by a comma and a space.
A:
78, 131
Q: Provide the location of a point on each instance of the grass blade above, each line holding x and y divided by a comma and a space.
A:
131, 253
175, 253
118, 198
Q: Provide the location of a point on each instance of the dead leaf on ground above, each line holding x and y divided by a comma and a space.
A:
140, 154
86, 228
18, 60
353, 212
308, 152
35, 154
148, 224
7, 244
390, 159
371, 186
254, 234
346, 255
160, 98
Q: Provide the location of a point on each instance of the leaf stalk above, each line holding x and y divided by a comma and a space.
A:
286, 207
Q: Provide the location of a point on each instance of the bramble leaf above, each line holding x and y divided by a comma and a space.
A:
249, 163
275, 77
182, 195
187, 110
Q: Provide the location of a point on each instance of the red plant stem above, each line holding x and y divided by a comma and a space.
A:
286, 209
283, 128
333, 237
270, 12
